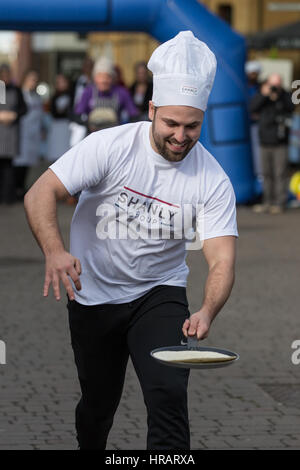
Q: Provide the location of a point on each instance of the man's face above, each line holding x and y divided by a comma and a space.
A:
175, 130
275, 80
252, 77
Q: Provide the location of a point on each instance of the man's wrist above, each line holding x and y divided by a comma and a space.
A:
207, 313
50, 251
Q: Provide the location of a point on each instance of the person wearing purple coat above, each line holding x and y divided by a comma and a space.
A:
104, 104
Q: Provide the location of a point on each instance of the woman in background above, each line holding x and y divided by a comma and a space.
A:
30, 133
141, 90
60, 109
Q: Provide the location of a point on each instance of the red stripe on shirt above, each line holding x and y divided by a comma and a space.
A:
151, 197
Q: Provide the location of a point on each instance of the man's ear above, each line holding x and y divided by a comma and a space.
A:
151, 110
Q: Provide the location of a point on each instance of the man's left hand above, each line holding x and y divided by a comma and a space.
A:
198, 324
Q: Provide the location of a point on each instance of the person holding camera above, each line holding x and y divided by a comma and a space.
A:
274, 106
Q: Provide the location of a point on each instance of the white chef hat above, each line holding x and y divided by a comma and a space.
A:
183, 70
253, 66
104, 65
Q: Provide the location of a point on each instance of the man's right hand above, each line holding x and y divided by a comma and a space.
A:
59, 266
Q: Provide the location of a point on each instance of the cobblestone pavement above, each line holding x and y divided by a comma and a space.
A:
253, 404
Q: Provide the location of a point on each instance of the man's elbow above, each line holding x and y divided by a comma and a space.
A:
28, 199
36, 192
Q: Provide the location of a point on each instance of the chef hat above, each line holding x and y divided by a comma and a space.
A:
252, 66
183, 70
104, 65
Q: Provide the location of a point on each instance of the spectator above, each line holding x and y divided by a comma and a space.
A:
119, 81
30, 133
253, 70
84, 79
77, 127
61, 111
273, 106
10, 113
118, 76
141, 90
104, 94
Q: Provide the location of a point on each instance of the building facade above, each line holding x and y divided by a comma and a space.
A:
253, 16
245, 16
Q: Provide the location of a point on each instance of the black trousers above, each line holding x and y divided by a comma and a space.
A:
103, 337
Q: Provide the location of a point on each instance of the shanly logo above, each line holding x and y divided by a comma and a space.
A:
189, 90
2, 92
2, 353
136, 215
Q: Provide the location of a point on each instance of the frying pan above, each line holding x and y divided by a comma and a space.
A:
192, 345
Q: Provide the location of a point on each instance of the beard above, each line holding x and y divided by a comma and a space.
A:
165, 151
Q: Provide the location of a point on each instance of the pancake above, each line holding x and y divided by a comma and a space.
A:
192, 356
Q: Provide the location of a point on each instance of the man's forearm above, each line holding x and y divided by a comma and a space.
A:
40, 210
217, 289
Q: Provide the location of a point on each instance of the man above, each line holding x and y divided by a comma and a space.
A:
10, 112
127, 294
274, 106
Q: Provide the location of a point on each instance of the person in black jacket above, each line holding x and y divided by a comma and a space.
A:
274, 106
10, 114
61, 105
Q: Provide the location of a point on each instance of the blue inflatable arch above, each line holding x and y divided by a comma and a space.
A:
225, 131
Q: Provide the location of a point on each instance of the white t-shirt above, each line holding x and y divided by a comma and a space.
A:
136, 211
